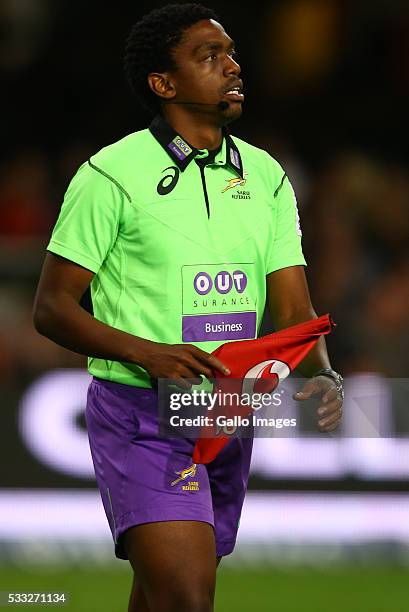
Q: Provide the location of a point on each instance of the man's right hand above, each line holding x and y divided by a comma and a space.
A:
179, 362
58, 316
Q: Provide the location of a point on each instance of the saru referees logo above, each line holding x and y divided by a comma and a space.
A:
169, 181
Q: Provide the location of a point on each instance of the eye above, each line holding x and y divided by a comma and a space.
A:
211, 58
233, 54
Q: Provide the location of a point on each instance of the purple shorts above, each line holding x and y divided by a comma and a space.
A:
136, 469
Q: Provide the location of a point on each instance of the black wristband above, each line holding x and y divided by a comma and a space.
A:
337, 378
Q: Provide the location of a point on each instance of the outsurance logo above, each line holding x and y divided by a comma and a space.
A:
180, 148
223, 282
182, 145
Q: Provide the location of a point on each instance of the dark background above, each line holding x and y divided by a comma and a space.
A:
327, 88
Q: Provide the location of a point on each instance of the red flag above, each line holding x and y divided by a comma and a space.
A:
258, 366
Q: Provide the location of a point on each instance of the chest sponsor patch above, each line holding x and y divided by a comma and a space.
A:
219, 302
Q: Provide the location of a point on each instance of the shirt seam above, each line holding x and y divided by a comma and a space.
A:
277, 191
112, 179
121, 275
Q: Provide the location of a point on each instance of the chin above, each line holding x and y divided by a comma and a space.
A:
232, 113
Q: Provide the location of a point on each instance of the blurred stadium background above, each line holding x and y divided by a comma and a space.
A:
326, 522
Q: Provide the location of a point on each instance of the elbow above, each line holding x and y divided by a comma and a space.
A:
39, 320
42, 317
295, 316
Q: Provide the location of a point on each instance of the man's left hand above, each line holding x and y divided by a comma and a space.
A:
329, 412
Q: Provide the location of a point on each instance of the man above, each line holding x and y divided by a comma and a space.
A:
176, 229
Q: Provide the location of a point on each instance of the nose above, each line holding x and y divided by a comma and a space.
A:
231, 66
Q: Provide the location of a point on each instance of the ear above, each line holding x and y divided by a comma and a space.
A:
161, 85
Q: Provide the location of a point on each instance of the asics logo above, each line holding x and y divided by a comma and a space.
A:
169, 181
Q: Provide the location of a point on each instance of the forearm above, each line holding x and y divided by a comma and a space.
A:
317, 358
65, 322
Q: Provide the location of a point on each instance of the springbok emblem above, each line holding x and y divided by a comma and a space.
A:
189, 472
235, 182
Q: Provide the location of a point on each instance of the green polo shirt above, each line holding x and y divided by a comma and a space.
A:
180, 242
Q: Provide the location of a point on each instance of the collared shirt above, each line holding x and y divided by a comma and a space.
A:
182, 153
180, 240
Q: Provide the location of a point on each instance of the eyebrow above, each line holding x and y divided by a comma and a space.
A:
212, 46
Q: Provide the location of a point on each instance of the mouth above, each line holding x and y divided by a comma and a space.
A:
234, 94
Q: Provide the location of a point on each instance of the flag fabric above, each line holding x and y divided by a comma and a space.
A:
257, 366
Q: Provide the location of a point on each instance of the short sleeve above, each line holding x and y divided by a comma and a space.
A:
286, 249
87, 226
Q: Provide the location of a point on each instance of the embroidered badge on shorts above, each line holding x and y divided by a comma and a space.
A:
189, 472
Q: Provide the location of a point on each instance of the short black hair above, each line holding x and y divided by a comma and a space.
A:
151, 42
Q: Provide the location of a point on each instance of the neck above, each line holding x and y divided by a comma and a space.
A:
202, 130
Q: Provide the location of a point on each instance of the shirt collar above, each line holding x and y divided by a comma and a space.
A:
182, 153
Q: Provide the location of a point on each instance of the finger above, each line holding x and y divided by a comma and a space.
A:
196, 381
324, 424
182, 383
211, 361
331, 428
314, 386
309, 389
327, 409
196, 367
331, 420
184, 377
216, 364
331, 394
192, 380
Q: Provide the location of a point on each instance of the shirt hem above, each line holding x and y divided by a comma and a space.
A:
78, 258
287, 264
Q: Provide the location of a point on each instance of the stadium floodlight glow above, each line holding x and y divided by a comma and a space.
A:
268, 518
48, 422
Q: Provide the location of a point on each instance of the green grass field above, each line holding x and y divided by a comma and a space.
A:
336, 589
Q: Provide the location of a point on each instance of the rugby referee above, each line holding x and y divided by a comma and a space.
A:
182, 231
